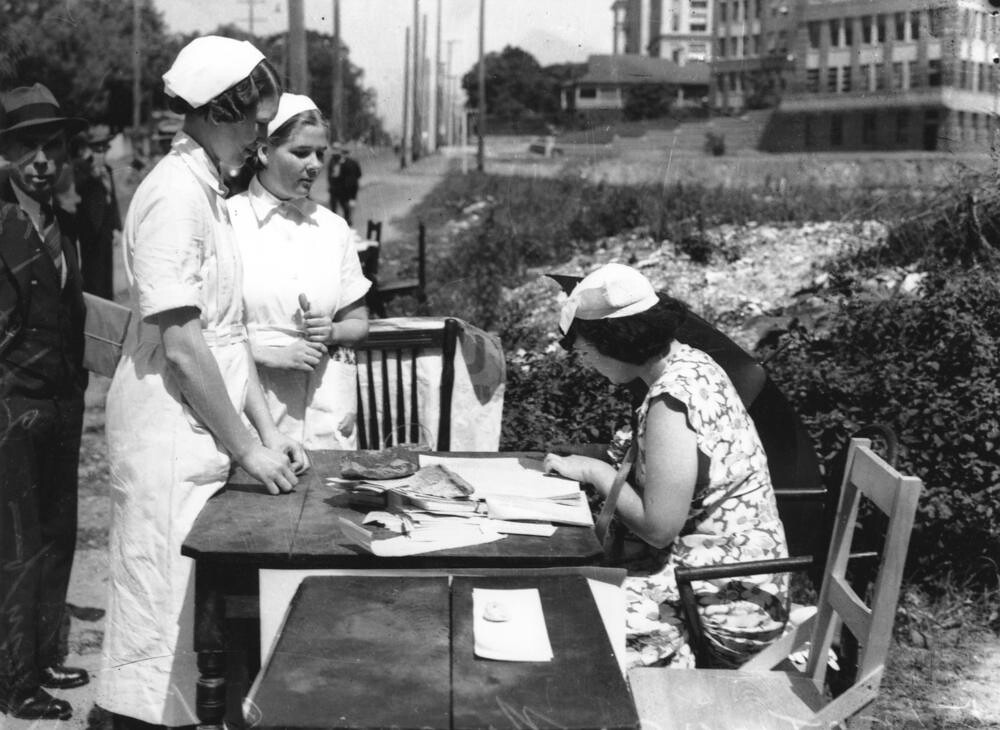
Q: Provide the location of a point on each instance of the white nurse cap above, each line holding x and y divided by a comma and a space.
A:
209, 65
288, 106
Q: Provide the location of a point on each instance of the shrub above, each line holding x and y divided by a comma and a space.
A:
551, 398
927, 366
715, 143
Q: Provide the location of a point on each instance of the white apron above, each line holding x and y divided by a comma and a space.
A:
292, 248
164, 463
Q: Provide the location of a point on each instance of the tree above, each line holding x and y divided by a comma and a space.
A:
515, 85
82, 51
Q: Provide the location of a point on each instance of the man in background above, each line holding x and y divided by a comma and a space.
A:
98, 219
42, 381
343, 175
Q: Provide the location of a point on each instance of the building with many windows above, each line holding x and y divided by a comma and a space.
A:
676, 30
752, 58
891, 74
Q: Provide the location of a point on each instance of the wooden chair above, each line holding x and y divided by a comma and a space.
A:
389, 413
389, 290
808, 515
757, 696
369, 258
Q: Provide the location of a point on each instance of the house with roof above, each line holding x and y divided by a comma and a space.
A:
603, 90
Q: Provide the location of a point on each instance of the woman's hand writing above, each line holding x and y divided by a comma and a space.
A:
269, 466
581, 468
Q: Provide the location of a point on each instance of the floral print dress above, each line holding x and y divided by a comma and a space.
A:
732, 518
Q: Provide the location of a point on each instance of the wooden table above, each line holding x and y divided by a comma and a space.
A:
244, 529
365, 652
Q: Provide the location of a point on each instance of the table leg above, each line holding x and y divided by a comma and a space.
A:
210, 643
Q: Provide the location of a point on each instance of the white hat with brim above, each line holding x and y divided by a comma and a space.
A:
288, 106
209, 65
614, 290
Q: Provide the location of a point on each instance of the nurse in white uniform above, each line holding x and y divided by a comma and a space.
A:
302, 284
176, 404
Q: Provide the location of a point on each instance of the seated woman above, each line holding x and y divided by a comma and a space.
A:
303, 289
702, 493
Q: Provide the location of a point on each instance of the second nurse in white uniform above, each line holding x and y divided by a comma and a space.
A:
302, 284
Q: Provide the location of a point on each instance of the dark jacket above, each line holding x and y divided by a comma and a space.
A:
41, 324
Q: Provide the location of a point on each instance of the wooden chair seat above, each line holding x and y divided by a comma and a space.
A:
725, 699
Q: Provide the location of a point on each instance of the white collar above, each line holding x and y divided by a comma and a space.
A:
264, 204
198, 161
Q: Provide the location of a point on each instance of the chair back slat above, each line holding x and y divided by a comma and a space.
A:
869, 474
389, 413
865, 475
851, 609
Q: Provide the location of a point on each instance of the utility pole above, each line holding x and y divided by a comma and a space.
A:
415, 143
481, 122
136, 74
406, 102
250, 15
437, 137
425, 89
297, 70
450, 103
337, 97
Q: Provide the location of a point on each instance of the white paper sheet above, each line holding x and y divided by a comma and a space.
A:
504, 477
521, 636
576, 512
414, 544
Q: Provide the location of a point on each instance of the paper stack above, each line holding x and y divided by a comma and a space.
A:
452, 502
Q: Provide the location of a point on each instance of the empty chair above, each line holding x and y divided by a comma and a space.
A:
758, 696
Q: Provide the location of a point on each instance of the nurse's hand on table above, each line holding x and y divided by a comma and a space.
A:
291, 448
271, 467
299, 355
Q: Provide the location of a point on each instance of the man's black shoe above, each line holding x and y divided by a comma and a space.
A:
60, 677
39, 705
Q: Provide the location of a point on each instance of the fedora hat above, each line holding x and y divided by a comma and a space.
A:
34, 106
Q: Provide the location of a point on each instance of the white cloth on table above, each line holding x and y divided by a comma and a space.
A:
179, 252
290, 248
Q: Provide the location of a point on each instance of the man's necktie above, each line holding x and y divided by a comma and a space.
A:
51, 237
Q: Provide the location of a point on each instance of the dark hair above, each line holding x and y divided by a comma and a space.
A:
634, 339
236, 102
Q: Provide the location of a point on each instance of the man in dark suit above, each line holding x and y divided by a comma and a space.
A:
42, 380
344, 175
98, 219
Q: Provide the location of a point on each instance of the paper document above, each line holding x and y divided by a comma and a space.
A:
504, 477
508, 625
413, 543
576, 512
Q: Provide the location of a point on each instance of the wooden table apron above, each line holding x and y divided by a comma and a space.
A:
243, 529
363, 652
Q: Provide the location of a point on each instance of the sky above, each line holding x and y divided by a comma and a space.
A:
553, 31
